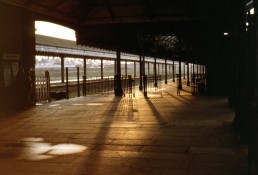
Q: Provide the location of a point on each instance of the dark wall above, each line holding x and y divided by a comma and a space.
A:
17, 48
219, 67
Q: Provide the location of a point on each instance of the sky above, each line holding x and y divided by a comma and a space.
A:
54, 30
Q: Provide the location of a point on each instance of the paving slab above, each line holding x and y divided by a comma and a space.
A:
161, 134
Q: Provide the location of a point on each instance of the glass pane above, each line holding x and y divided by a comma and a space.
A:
93, 68
108, 69
50, 64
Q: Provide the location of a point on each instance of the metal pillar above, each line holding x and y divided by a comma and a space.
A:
180, 73
148, 68
78, 82
253, 89
155, 72
67, 83
140, 87
184, 71
166, 71
62, 69
125, 68
158, 69
173, 71
101, 69
134, 69
84, 67
118, 83
187, 72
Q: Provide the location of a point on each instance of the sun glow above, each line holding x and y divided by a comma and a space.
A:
54, 30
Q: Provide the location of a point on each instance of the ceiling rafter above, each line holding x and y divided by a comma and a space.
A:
110, 10
59, 4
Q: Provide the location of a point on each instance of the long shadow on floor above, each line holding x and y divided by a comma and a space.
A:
155, 111
101, 139
178, 97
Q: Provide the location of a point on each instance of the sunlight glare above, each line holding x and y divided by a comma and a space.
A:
54, 30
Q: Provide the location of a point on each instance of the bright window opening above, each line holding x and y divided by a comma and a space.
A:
54, 30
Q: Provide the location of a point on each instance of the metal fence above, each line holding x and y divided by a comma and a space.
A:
152, 85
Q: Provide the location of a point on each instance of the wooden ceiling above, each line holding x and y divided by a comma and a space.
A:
154, 26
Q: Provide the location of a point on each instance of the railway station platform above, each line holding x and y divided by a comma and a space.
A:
163, 134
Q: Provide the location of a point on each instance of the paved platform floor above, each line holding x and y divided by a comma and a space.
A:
164, 134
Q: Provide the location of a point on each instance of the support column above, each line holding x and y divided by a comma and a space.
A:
188, 77
179, 58
197, 70
28, 56
125, 68
140, 87
166, 71
144, 76
173, 70
101, 69
158, 69
155, 72
84, 67
118, 87
193, 73
62, 69
134, 69
169, 70
115, 72
253, 90
184, 71
148, 68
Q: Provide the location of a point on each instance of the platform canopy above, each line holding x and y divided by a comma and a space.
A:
152, 26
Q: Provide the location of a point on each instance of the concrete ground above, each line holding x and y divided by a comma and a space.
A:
164, 134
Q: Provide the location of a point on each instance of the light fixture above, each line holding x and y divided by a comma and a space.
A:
252, 11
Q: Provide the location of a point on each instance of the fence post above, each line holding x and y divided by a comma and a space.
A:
78, 82
67, 84
48, 86
84, 85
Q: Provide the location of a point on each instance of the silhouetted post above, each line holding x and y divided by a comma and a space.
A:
184, 71
252, 90
101, 69
118, 84
158, 72
155, 72
140, 87
84, 85
148, 68
78, 81
179, 57
143, 63
67, 84
126, 68
166, 71
84, 67
134, 69
197, 70
145, 85
48, 85
187, 72
173, 70
62, 68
